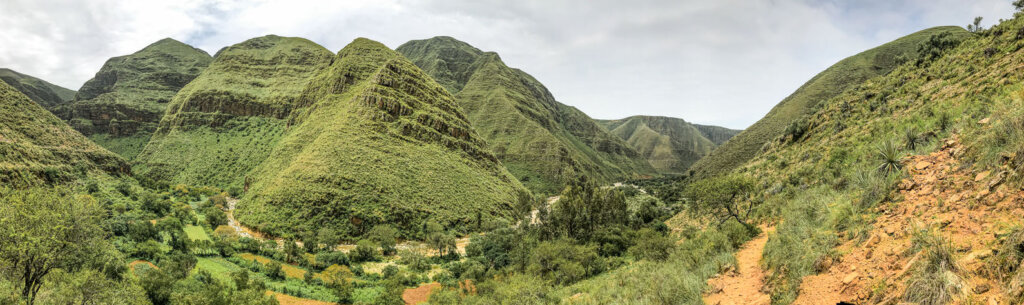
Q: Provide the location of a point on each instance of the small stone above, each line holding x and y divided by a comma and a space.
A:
992, 301
922, 165
982, 288
984, 121
982, 176
873, 240
850, 278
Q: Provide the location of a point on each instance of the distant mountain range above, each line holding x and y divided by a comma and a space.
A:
670, 145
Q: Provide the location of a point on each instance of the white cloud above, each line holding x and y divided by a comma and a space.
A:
723, 62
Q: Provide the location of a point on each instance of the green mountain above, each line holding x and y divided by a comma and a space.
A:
541, 141
37, 148
227, 120
45, 94
376, 141
717, 134
844, 75
670, 145
120, 107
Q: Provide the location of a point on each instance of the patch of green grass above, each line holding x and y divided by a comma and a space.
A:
220, 268
196, 233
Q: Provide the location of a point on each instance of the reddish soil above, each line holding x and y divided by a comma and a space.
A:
285, 299
967, 208
744, 285
419, 294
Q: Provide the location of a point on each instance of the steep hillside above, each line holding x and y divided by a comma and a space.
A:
788, 114
226, 121
45, 94
120, 107
670, 145
541, 141
376, 141
37, 148
899, 188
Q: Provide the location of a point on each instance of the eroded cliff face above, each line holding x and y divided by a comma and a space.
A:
121, 106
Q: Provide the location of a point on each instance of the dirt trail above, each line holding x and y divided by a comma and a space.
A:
967, 208
743, 286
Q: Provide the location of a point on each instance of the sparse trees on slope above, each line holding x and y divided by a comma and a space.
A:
723, 197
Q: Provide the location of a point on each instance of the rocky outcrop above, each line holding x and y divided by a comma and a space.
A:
122, 104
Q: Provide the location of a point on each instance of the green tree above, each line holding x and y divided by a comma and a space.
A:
42, 230
386, 236
215, 216
274, 271
1018, 5
723, 197
365, 251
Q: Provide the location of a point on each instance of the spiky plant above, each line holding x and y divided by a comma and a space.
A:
911, 138
890, 155
944, 121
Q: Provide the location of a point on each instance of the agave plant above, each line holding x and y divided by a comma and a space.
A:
890, 155
912, 138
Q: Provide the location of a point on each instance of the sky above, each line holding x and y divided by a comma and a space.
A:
718, 62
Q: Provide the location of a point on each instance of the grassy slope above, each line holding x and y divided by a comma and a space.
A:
814, 182
226, 121
38, 148
120, 107
839, 77
43, 93
541, 141
379, 142
670, 145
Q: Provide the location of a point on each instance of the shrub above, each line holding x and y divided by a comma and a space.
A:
416, 261
386, 236
274, 271
325, 259
652, 245
365, 251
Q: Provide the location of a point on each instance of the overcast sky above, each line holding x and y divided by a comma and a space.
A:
721, 62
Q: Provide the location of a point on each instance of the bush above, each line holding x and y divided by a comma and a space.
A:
215, 216
652, 245
416, 261
562, 262
325, 259
890, 156
386, 236
365, 251
274, 271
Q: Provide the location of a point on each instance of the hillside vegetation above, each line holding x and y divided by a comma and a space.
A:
789, 113
37, 148
120, 107
906, 177
670, 145
226, 121
377, 142
542, 142
45, 94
